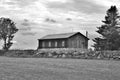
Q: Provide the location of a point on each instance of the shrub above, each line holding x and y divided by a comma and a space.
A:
63, 53
19, 53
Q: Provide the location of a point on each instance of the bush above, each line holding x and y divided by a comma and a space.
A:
19, 53
63, 53
81, 54
2, 52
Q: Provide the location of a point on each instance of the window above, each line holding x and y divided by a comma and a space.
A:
83, 44
55, 43
63, 43
49, 44
43, 44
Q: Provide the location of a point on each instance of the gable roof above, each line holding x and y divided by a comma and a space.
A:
61, 36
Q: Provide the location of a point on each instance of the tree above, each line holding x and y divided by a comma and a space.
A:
109, 31
7, 31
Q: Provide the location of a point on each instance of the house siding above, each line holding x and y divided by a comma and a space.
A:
59, 43
77, 41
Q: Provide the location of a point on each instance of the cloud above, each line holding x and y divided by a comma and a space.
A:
69, 19
8, 5
20, 3
107, 3
84, 6
24, 25
25, 22
50, 20
61, 1
29, 34
14, 42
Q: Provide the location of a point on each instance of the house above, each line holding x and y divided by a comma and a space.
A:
64, 40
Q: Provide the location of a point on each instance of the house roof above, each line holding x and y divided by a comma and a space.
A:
61, 36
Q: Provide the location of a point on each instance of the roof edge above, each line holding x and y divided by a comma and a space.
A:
81, 34
74, 33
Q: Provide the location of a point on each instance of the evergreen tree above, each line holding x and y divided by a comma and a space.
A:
109, 31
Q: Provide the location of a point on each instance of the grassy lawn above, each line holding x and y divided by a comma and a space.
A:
58, 69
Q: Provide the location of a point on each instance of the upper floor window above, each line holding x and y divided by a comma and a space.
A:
63, 43
49, 44
56, 43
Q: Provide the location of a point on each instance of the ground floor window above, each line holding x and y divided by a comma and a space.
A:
43, 44
56, 43
49, 44
63, 43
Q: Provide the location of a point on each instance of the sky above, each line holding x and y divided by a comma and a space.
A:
37, 18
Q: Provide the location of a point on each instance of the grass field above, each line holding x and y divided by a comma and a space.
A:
58, 69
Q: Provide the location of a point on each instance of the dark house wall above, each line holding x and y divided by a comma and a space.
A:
77, 41
53, 41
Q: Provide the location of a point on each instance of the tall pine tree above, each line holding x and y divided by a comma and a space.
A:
109, 31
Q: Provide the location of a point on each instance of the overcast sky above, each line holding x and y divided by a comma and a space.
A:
37, 18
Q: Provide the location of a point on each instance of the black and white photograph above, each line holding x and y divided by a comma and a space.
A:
59, 39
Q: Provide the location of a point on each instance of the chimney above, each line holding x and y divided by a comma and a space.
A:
86, 33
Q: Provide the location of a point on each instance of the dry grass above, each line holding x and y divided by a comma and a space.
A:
58, 69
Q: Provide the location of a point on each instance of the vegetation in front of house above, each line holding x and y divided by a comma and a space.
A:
78, 54
19, 53
109, 31
65, 53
